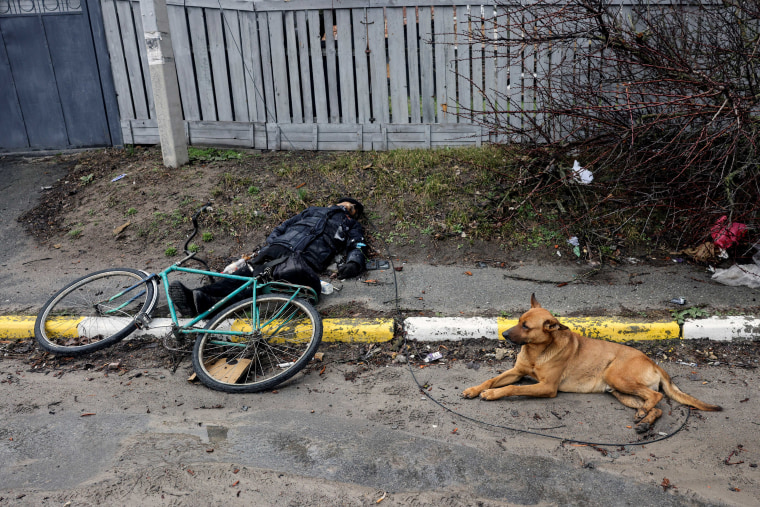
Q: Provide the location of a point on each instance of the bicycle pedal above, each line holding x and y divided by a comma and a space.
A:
143, 321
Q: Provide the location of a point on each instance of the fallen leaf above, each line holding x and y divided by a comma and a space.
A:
468, 273
235, 484
87, 414
120, 229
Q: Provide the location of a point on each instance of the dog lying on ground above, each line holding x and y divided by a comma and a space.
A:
561, 360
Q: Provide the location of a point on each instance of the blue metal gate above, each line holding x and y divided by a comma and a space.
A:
56, 89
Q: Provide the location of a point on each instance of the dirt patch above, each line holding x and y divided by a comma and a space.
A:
130, 206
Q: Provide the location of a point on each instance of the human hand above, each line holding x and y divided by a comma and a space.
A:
349, 270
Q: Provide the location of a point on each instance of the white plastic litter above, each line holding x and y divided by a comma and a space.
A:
581, 174
736, 275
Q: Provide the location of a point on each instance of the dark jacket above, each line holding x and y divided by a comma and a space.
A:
320, 233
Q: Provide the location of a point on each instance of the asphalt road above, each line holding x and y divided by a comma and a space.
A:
354, 434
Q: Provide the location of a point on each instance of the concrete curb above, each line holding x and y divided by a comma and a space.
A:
19, 327
430, 329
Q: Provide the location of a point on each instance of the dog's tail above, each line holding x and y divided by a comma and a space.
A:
673, 392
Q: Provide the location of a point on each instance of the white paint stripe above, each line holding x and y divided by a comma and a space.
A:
450, 328
722, 329
157, 327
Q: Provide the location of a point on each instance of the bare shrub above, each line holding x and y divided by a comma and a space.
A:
660, 101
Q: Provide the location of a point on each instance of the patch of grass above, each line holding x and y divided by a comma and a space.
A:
211, 154
86, 180
170, 251
131, 211
75, 233
680, 316
193, 248
207, 236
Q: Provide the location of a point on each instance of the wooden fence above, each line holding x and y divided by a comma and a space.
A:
324, 75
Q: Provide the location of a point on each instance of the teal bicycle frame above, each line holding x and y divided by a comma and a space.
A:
249, 282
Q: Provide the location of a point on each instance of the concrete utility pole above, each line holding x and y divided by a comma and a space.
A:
163, 78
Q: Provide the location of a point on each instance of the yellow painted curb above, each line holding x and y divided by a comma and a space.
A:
612, 329
16, 327
357, 330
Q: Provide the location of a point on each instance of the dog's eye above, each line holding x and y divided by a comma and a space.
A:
524, 326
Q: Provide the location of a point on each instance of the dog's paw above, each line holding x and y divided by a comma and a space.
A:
489, 394
470, 392
642, 428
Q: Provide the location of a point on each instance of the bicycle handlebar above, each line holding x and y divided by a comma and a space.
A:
195, 225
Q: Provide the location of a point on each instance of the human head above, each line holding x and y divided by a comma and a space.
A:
357, 207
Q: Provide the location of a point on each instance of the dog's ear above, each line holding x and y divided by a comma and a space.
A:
534, 302
553, 325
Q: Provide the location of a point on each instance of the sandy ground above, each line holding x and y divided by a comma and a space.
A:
125, 429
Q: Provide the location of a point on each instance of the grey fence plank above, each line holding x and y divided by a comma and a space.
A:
346, 65
202, 63
279, 69
413, 65
267, 68
361, 66
213, 133
232, 37
305, 69
427, 73
476, 62
512, 58
218, 55
317, 68
132, 57
294, 73
445, 71
397, 65
331, 66
489, 64
254, 82
378, 65
463, 59
143, 53
118, 63
184, 62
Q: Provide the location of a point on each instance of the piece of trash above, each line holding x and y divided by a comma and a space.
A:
744, 274
574, 241
118, 230
468, 273
678, 301
703, 252
319, 356
46, 188
118, 177
373, 264
581, 174
327, 287
500, 354
693, 365
725, 235
433, 357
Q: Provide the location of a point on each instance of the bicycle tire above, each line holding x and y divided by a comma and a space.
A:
287, 338
90, 314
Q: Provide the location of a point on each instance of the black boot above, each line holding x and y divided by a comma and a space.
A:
183, 299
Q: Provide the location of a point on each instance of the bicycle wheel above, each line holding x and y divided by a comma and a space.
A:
94, 311
282, 335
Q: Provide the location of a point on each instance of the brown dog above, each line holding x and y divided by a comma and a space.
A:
561, 360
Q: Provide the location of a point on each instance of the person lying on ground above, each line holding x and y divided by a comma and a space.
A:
296, 251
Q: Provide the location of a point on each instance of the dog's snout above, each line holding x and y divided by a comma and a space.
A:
512, 334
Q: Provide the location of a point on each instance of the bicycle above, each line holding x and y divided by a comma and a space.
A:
246, 346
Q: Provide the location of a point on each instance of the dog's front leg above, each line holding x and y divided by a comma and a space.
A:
505, 378
540, 390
